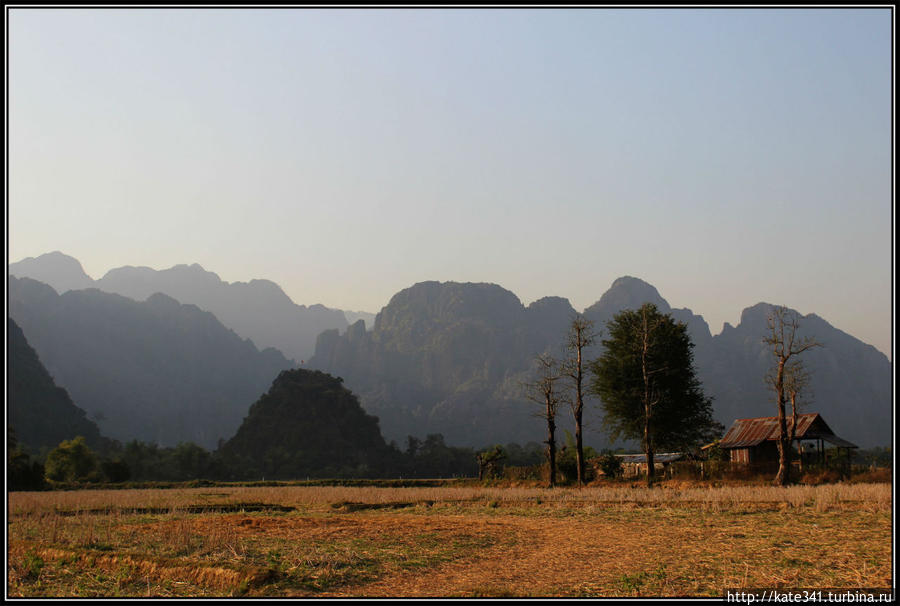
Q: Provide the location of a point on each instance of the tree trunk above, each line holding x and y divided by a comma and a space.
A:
579, 453
783, 477
579, 409
648, 397
551, 446
648, 450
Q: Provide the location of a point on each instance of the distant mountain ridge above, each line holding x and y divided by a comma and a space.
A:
258, 310
60, 271
452, 358
157, 370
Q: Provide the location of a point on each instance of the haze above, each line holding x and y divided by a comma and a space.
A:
727, 157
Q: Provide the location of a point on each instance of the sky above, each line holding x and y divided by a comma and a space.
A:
725, 156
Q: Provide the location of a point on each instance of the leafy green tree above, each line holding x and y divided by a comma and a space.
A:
488, 460
648, 387
71, 461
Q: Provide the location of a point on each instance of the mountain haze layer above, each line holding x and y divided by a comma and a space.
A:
258, 310
40, 412
156, 370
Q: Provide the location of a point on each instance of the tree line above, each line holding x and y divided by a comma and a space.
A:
74, 462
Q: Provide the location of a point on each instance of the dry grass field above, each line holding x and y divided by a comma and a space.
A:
674, 540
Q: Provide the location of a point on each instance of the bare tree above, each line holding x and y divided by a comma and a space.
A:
796, 382
545, 391
581, 335
787, 378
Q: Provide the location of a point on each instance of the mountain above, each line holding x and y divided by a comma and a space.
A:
157, 371
258, 310
353, 316
850, 380
631, 293
451, 358
60, 271
307, 424
447, 358
41, 413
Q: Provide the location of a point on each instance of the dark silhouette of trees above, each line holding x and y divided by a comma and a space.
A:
648, 386
21, 472
787, 378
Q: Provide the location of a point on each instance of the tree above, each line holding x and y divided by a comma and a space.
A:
71, 461
488, 461
787, 378
796, 382
581, 335
544, 391
648, 386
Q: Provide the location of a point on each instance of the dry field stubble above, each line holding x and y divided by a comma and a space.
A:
448, 541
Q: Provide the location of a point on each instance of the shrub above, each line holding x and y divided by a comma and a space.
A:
71, 461
610, 465
821, 476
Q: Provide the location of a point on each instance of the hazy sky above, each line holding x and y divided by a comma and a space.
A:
725, 156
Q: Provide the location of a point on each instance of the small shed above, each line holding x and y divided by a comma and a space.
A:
636, 464
754, 441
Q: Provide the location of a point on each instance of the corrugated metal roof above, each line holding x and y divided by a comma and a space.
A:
839, 442
744, 433
663, 457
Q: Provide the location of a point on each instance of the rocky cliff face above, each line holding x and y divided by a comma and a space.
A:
447, 358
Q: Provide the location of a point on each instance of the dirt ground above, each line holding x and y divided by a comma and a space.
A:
488, 548
651, 553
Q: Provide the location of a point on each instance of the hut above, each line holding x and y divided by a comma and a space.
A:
755, 441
